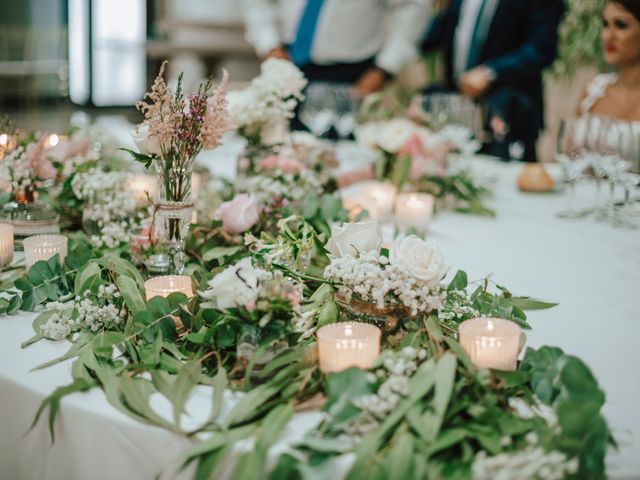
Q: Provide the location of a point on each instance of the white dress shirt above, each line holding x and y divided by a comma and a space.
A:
469, 12
347, 31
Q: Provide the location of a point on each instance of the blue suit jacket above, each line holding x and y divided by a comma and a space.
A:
521, 42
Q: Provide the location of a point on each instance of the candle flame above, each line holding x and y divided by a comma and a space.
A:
53, 140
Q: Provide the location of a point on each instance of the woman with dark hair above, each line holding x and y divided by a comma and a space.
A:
617, 94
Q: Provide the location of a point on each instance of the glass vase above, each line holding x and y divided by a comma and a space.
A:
172, 227
29, 216
174, 210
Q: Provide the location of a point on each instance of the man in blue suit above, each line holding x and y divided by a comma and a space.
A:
495, 52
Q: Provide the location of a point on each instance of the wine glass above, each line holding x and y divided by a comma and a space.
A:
570, 156
318, 111
620, 147
346, 110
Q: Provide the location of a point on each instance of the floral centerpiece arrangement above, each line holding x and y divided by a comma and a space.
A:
399, 282
415, 158
261, 111
28, 168
176, 128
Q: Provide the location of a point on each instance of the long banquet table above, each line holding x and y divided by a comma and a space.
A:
591, 269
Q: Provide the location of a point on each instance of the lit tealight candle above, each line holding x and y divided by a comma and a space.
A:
348, 344
165, 285
491, 342
377, 198
381, 198
414, 210
43, 247
141, 186
6, 244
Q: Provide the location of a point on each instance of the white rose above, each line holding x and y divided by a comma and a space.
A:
239, 214
352, 238
236, 286
367, 134
394, 134
421, 260
146, 143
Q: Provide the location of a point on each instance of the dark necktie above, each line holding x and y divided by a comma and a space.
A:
475, 49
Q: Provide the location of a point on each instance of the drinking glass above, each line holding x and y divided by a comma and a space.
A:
347, 106
569, 156
318, 111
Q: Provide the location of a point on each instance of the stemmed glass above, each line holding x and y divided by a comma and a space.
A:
569, 154
318, 111
347, 109
596, 149
622, 144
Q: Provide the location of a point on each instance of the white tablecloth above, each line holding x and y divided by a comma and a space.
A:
591, 269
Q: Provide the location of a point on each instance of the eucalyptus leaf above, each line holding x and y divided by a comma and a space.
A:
131, 293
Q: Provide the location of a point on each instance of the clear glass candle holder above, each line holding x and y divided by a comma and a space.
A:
6, 244
165, 285
43, 247
348, 344
414, 211
491, 342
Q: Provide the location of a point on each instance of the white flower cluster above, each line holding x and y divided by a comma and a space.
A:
15, 167
538, 409
374, 278
84, 312
394, 374
392, 135
532, 463
108, 205
278, 183
456, 308
271, 97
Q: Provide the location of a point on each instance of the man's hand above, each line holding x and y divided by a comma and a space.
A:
476, 81
370, 81
279, 52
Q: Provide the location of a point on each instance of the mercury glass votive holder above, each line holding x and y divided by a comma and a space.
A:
491, 342
348, 344
43, 247
165, 285
6, 244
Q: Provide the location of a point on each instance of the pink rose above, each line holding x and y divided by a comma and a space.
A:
240, 214
424, 161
